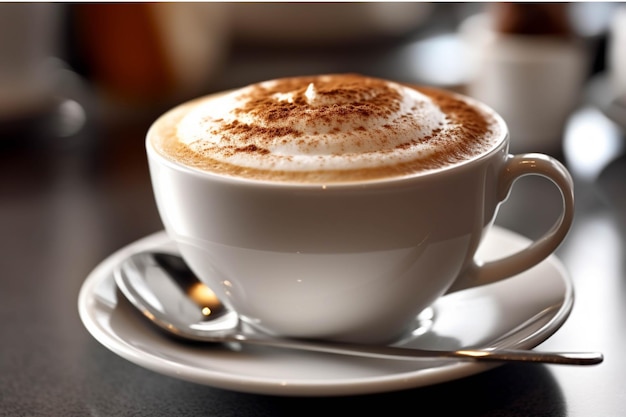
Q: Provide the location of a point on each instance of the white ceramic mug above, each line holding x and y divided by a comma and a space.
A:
616, 53
534, 82
353, 261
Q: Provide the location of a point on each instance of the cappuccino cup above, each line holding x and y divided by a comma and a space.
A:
340, 206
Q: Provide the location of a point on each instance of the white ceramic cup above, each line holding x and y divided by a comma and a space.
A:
534, 82
616, 54
348, 261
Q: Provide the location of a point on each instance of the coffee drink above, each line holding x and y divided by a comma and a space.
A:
328, 128
340, 206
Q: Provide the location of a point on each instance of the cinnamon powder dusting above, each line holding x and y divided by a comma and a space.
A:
338, 100
363, 123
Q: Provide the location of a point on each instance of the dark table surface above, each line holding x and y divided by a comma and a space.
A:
66, 203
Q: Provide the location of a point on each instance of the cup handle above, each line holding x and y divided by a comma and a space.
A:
517, 166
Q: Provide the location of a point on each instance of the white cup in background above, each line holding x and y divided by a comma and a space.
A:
534, 82
616, 54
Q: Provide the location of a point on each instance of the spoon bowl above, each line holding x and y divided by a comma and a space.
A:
163, 288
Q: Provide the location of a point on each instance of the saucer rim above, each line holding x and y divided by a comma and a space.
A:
102, 274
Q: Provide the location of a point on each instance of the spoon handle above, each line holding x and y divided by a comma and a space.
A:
392, 352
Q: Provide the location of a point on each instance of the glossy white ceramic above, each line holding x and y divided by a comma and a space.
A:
616, 53
348, 261
517, 313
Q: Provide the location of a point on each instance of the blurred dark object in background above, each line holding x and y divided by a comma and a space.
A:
29, 37
43, 102
551, 19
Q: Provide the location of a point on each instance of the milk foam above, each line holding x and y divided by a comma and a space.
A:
324, 123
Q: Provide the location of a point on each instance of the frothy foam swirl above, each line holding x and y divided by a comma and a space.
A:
321, 126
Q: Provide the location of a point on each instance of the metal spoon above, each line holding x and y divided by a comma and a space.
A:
167, 292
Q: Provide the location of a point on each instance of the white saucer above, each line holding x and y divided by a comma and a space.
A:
517, 313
